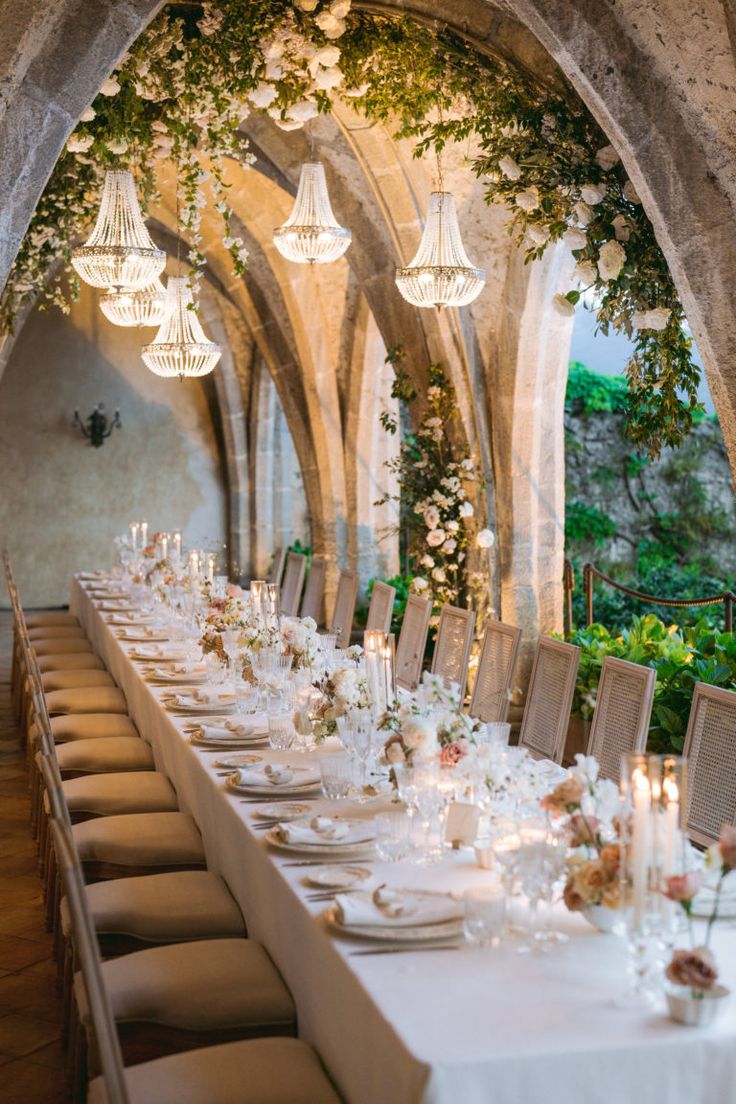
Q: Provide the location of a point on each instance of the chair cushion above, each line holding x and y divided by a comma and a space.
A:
123, 792
205, 986
74, 680
163, 908
252, 1071
49, 617
70, 661
95, 699
141, 839
57, 632
91, 726
61, 645
102, 756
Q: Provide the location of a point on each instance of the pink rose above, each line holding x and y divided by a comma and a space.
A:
727, 845
584, 829
234, 591
683, 887
451, 754
696, 968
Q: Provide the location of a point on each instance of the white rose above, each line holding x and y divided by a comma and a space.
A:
574, 238
417, 733
355, 93
466, 509
274, 69
656, 319
509, 168
485, 539
528, 200
438, 574
611, 259
452, 526
87, 115
303, 111
586, 273
435, 537
419, 584
310, 624
306, 5
339, 8
538, 234
449, 546
431, 517
593, 193
327, 79
622, 228
630, 193
584, 213
428, 562
607, 158
79, 143
329, 25
263, 95
563, 305
327, 56
111, 87
119, 146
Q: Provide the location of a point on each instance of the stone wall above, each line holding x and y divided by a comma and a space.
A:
62, 501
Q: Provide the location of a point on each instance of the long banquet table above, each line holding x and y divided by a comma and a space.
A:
472, 1026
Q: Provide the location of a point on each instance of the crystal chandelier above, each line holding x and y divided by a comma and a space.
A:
440, 274
311, 234
119, 253
180, 348
136, 306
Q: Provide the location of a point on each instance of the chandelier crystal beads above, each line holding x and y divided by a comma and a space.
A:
136, 306
119, 253
441, 274
312, 234
180, 348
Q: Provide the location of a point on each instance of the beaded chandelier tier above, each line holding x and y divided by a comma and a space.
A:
441, 274
312, 234
180, 348
136, 307
119, 253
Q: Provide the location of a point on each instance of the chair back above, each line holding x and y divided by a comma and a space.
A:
88, 956
710, 750
549, 699
412, 642
452, 647
342, 614
54, 788
623, 708
381, 608
492, 687
277, 567
291, 587
314, 591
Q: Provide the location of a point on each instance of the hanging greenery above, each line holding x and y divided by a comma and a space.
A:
191, 78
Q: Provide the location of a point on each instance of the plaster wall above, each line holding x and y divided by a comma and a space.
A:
61, 501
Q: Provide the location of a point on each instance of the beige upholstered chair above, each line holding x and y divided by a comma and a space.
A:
452, 647
412, 642
381, 608
250, 1071
74, 679
277, 567
61, 645
710, 750
342, 614
71, 661
623, 708
52, 632
293, 581
490, 699
314, 591
549, 699
87, 699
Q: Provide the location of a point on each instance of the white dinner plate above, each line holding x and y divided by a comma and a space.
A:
282, 810
245, 759
345, 850
151, 675
338, 877
256, 791
151, 637
398, 933
204, 709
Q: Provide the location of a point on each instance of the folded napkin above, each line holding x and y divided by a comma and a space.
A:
257, 725
275, 777
155, 651
221, 734
193, 669
326, 831
386, 908
139, 630
134, 619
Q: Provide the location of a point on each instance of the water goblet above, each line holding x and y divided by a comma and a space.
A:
393, 836
281, 732
336, 776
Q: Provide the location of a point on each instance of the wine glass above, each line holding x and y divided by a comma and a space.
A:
536, 854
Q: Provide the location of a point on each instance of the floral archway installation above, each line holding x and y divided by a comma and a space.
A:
188, 82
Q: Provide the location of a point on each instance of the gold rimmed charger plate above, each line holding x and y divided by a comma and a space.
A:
172, 680
195, 709
395, 933
323, 850
238, 743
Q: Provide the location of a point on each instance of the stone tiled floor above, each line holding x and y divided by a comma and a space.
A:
31, 1057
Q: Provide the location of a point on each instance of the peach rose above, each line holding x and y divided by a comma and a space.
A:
696, 968
683, 887
584, 829
565, 797
573, 901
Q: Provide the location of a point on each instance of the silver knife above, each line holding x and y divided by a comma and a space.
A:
406, 950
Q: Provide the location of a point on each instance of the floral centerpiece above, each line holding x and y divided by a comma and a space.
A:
431, 723
589, 806
339, 693
300, 640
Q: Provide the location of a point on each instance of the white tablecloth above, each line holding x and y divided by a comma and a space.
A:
462, 1027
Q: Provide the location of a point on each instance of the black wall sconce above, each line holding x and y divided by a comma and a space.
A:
97, 427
